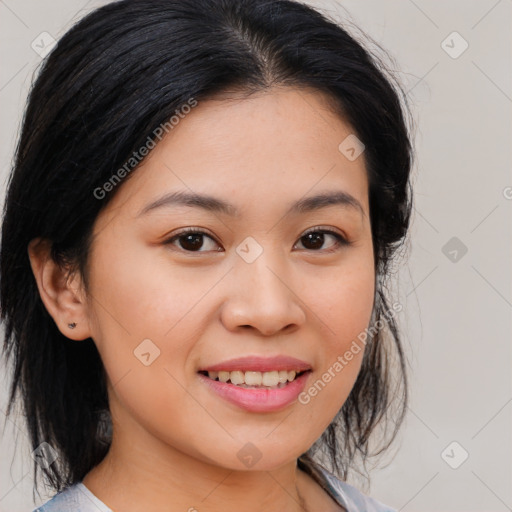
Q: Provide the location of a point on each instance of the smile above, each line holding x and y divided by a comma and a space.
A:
251, 379
256, 391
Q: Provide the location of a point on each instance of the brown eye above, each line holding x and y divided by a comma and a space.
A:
315, 239
190, 240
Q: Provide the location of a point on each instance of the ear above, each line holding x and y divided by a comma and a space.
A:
62, 295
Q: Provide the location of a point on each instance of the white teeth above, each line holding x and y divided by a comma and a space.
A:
253, 378
237, 377
271, 379
223, 376
283, 376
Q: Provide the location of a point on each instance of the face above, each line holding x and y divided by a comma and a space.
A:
257, 279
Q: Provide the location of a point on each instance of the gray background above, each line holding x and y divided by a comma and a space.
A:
456, 318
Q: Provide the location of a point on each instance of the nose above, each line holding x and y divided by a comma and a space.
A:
262, 295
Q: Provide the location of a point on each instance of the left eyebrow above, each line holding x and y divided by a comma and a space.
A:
214, 204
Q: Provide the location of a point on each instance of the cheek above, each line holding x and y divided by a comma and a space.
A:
348, 308
344, 302
139, 297
144, 318
343, 308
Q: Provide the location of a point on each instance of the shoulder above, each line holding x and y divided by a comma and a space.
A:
352, 498
76, 498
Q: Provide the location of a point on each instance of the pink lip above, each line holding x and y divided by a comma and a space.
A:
259, 364
258, 400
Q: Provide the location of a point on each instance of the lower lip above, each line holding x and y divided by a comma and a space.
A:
258, 400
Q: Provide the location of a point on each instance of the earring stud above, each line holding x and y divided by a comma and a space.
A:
72, 325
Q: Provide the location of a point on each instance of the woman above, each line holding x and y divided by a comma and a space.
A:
205, 202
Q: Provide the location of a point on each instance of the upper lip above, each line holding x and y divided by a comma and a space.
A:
259, 364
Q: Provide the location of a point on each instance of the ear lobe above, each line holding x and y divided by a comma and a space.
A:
61, 295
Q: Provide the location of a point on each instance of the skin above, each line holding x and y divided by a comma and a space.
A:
175, 442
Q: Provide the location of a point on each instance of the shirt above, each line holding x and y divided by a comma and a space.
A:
78, 498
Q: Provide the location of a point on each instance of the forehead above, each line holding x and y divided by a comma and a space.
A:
271, 147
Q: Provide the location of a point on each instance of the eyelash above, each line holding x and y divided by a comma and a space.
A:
341, 241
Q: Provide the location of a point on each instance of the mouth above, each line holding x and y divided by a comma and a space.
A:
275, 379
256, 391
